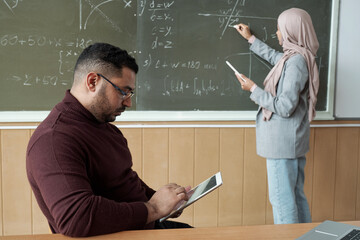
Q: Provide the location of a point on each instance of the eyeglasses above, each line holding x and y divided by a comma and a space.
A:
124, 94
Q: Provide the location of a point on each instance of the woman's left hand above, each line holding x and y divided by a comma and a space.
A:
246, 83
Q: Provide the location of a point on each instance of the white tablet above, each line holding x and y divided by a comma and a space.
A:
197, 192
235, 71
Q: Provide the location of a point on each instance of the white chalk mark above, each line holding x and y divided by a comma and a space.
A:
229, 18
127, 4
239, 16
6, 3
80, 18
95, 8
101, 13
262, 61
142, 6
16, 3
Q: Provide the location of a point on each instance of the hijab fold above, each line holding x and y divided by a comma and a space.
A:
299, 37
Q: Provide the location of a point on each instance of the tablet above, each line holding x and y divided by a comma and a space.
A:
197, 192
235, 71
232, 67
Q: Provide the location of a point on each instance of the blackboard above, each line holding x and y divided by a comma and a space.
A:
180, 45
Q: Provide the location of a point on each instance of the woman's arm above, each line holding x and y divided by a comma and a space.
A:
265, 52
293, 81
258, 47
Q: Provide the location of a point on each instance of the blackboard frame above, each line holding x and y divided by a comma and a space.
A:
328, 114
347, 70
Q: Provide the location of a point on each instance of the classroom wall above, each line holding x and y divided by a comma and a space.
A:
347, 86
190, 155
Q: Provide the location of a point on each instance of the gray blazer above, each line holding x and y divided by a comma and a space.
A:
286, 134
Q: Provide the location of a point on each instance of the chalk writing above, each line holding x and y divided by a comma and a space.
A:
229, 17
180, 46
198, 87
68, 51
29, 40
11, 4
96, 8
31, 80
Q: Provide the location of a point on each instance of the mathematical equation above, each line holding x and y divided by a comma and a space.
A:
162, 28
41, 41
161, 21
165, 31
63, 51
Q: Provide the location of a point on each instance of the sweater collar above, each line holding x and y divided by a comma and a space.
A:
71, 104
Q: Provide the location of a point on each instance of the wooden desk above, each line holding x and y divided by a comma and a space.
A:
262, 232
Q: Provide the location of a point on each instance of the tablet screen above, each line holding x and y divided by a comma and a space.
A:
198, 192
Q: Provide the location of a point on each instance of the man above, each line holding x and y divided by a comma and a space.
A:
79, 165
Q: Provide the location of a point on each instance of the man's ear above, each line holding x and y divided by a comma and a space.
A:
92, 80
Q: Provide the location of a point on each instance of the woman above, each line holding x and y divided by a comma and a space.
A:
286, 107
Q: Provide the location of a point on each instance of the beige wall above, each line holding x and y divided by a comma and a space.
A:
188, 156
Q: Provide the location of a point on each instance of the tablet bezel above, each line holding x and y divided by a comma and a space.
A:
185, 204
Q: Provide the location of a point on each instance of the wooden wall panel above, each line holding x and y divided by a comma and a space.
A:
16, 192
309, 169
255, 185
190, 155
135, 143
346, 172
207, 152
39, 223
232, 169
324, 174
155, 157
358, 181
181, 163
1, 181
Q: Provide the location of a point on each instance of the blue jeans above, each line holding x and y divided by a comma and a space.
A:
286, 190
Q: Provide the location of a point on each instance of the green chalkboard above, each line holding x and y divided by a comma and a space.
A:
180, 45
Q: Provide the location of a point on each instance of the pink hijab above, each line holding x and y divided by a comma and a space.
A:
299, 37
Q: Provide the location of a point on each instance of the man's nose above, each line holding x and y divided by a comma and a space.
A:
127, 102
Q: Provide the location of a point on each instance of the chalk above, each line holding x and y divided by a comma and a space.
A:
236, 72
236, 27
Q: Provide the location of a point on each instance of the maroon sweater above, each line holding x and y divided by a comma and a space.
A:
80, 172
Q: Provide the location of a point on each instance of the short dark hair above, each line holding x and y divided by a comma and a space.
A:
105, 57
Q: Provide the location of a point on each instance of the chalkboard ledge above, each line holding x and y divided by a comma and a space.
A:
156, 116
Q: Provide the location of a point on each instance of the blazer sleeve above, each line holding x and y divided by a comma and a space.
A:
264, 51
292, 82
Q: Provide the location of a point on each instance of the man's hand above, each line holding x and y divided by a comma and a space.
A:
164, 201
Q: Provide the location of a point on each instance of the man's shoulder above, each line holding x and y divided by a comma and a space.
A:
52, 125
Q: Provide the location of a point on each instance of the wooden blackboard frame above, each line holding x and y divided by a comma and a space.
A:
328, 114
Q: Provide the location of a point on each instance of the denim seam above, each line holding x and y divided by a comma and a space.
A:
277, 192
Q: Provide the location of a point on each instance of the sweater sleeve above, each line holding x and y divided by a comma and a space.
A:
67, 199
149, 191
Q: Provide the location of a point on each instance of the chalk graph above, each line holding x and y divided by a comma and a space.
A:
11, 4
234, 15
96, 9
